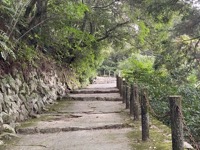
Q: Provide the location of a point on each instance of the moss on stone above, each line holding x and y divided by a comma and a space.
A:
51, 109
63, 103
31, 122
8, 143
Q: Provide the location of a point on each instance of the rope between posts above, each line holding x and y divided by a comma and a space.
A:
191, 138
126, 86
166, 114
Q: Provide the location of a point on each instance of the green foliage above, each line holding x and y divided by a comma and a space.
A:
84, 70
68, 9
137, 68
27, 53
6, 46
143, 32
160, 84
73, 33
81, 34
191, 107
179, 58
114, 55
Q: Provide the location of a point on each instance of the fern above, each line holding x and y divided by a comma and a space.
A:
14, 12
17, 17
6, 47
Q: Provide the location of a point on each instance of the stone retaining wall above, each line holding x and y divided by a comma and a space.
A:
20, 99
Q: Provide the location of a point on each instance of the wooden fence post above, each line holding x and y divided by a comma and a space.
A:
127, 96
176, 122
121, 87
131, 101
135, 102
124, 91
144, 115
117, 81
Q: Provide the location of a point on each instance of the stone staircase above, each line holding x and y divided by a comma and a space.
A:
89, 119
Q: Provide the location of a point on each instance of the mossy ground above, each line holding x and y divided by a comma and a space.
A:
45, 117
160, 136
63, 103
8, 142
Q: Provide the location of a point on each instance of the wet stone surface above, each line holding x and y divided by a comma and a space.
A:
91, 119
96, 97
110, 139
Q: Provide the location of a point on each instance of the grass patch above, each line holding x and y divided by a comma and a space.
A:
160, 137
8, 143
51, 109
111, 137
63, 103
33, 121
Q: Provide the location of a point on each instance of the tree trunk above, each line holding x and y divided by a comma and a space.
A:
29, 8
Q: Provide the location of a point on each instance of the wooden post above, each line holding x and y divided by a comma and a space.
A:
117, 81
124, 91
134, 102
131, 101
144, 115
127, 96
120, 84
176, 122
121, 87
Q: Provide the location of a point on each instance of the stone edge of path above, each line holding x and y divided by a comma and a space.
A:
93, 99
94, 91
36, 130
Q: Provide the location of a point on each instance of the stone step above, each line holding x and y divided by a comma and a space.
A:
101, 86
104, 80
95, 90
70, 122
87, 107
96, 97
109, 139
27, 131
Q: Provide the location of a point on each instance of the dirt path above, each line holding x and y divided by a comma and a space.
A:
92, 119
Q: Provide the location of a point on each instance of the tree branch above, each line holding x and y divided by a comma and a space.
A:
101, 7
31, 29
107, 34
29, 8
84, 22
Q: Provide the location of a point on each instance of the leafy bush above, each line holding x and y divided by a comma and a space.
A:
159, 83
6, 47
